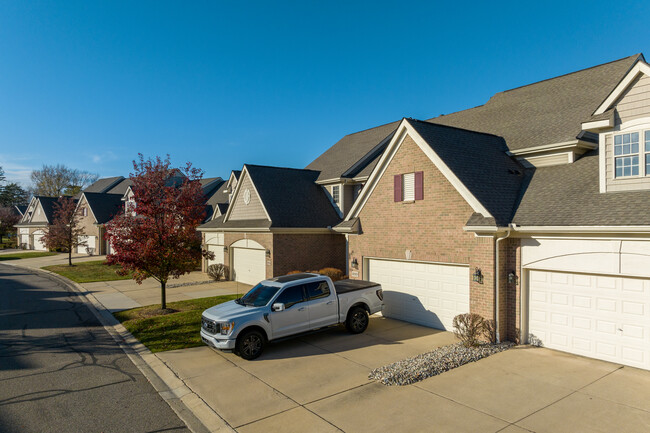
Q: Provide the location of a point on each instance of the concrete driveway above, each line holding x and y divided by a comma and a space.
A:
320, 383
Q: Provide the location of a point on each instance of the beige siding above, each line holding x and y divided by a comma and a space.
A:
251, 211
348, 198
635, 102
39, 215
87, 223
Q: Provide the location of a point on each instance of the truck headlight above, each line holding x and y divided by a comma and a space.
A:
227, 327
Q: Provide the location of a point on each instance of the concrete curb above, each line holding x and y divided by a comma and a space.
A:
194, 411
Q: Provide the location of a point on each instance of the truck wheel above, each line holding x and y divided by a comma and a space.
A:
357, 320
250, 344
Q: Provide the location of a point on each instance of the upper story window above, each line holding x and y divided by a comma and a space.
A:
626, 154
84, 211
336, 195
408, 187
647, 152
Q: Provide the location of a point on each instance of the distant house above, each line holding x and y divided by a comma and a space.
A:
37, 216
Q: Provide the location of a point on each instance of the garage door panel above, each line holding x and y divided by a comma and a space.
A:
606, 317
249, 265
423, 293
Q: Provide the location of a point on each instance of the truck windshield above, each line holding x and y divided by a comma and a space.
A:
259, 295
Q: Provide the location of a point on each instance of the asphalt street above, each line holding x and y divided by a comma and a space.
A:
60, 371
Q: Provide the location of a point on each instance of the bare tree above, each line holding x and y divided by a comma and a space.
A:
58, 180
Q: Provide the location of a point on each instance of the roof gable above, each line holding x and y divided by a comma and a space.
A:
489, 184
246, 201
103, 206
640, 68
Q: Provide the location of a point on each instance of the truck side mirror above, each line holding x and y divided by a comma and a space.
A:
278, 307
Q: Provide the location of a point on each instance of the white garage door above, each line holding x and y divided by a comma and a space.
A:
24, 241
90, 244
38, 242
428, 294
249, 265
599, 316
217, 250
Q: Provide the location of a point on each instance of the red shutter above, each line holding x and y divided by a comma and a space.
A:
419, 185
397, 187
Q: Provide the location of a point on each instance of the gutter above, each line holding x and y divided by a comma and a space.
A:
496, 282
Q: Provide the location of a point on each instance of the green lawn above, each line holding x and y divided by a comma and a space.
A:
178, 330
88, 272
18, 256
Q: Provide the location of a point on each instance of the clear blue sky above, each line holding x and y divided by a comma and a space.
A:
89, 84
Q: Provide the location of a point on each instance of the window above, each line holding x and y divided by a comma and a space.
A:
626, 154
317, 290
291, 296
409, 187
336, 194
84, 211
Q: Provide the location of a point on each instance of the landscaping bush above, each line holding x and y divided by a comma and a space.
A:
490, 330
218, 271
294, 272
333, 273
469, 328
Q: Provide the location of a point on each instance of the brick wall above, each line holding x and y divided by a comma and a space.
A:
303, 252
432, 229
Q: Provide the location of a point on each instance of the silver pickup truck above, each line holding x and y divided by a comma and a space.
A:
284, 306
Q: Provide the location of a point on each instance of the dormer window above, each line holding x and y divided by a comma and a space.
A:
626, 154
336, 195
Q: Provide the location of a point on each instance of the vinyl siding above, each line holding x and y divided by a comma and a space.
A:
251, 211
635, 102
39, 218
625, 184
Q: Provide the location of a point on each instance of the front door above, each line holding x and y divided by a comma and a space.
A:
295, 316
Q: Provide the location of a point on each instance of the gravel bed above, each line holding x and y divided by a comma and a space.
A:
192, 283
432, 363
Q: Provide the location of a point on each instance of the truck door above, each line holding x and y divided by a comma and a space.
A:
323, 305
295, 317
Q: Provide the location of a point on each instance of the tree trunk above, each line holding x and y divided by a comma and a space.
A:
69, 256
163, 296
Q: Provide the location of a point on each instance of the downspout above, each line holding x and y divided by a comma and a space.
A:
496, 283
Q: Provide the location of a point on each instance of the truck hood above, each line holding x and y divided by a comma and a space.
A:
229, 311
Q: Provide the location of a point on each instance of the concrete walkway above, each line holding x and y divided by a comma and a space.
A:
124, 294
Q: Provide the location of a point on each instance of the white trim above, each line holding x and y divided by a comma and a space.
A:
315, 230
484, 229
640, 67
244, 243
403, 130
598, 124
236, 193
391, 259
83, 196
602, 161
543, 148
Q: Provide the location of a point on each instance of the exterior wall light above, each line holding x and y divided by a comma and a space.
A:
268, 253
355, 263
225, 250
512, 278
477, 276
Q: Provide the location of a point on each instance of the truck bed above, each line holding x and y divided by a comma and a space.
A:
345, 286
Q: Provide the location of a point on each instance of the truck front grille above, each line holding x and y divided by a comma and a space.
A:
210, 326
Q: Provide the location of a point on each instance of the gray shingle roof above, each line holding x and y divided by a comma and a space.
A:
104, 206
292, 198
215, 196
121, 187
218, 223
569, 195
480, 163
546, 112
347, 151
104, 184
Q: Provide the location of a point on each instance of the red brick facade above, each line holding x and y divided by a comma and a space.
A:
432, 229
294, 252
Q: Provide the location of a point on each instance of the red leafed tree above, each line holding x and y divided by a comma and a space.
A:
157, 237
65, 232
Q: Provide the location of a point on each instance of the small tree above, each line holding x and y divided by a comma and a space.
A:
64, 232
8, 218
159, 239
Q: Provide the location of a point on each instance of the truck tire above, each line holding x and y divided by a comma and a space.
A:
250, 344
357, 320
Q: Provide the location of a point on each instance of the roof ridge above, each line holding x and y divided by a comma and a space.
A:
452, 127
568, 73
368, 129
282, 168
